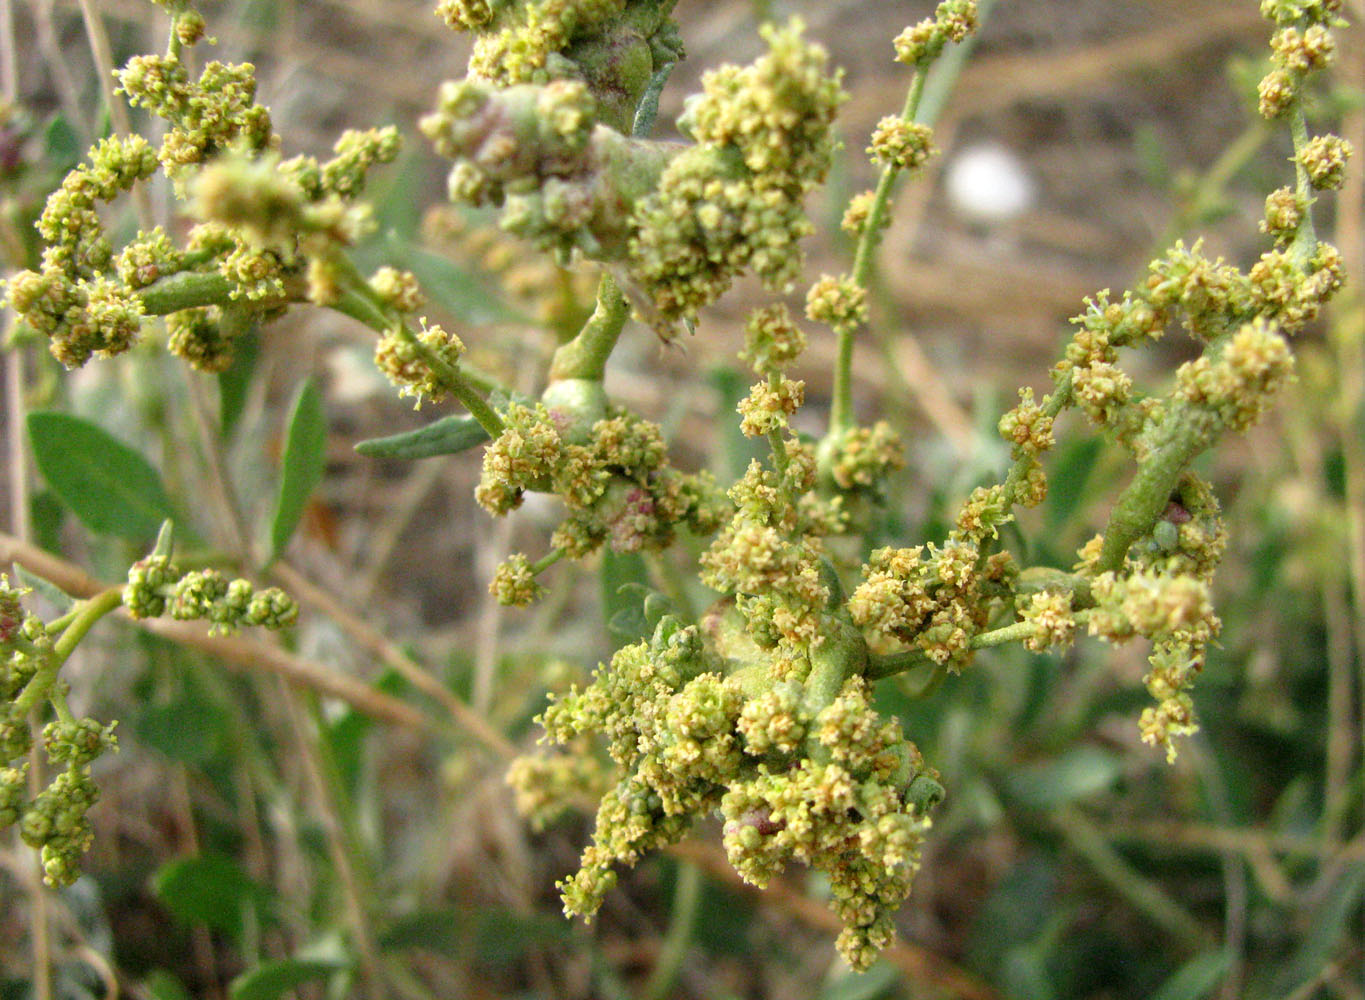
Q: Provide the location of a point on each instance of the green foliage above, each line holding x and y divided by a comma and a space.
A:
301, 465
105, 483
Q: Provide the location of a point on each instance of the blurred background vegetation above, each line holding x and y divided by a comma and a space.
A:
258, 840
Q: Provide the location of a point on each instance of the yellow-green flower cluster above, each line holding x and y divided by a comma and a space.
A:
562, 180
840, 303
771, 340
801, 772
733, 202
902, 144
929, 598
861, 458
210, 115
611, 473
76, 299
844, 810
403, 362
548, 785
921, 43
55, 821
156, 586
1302, 43
262, 218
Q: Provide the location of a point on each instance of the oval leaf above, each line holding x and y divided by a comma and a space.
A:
109, 486
1074, 775
447, 436
211, 889
276, 979
302, 464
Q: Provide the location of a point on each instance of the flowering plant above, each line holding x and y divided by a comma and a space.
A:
760, 708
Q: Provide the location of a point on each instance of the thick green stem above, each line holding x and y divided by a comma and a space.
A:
41, 684
186, 290
1188, 431
586, 355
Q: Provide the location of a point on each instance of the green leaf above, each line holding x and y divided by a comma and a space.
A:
108, 485
161, 985
461, 292
1068, 479
504, 937
877, 983
61, 144
624, 577
1074, 775
447, 436
191, 730
44, 588
1194, 980
47, 515
275, 979
302, 464
234, 383
211, 889
441, 930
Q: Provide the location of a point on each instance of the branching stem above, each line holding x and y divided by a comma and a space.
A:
586, 355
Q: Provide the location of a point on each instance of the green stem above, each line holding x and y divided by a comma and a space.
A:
41, 684
358, 301
1187, 431
186, 290
889, 664
546, 561
1305, 239
841, 405
686, 901
586, 355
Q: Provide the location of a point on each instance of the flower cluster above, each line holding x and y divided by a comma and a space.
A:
404, 358
157, 587
609, 467
53, 820
1302, 43
264, 220
923, 41
800, 770
733, 201
614, 46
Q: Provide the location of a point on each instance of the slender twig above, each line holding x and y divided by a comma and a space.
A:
1143, 894
888, 664
236, 651
372, 639
682, 921
841, 404
9, 70
917, 964
339, 846
59, 65
118, 112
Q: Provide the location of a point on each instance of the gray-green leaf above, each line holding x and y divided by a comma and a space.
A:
302, 465
447, 436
